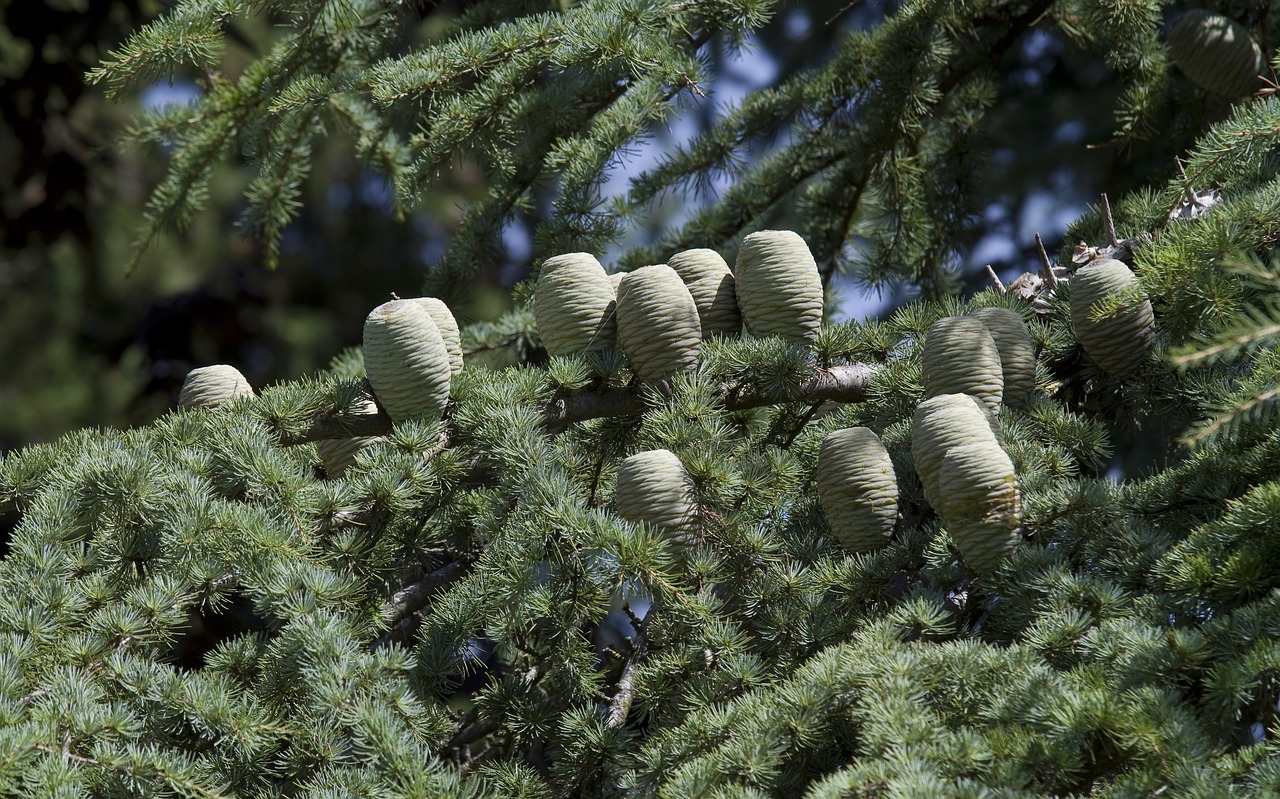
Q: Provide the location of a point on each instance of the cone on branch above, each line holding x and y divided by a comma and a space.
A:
1120, 341
713, 288
1017, 352
961, 357
448, 327
1216, 53
778, 285
574, 304
968, 478
654, 488
213, 386
658, 326
406, 361
858, 488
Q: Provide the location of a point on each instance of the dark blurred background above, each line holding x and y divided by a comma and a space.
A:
83, 342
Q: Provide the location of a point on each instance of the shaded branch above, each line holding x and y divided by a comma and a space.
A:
845, 383
620, 705
399, 611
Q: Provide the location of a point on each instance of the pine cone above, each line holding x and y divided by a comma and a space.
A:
1216, 53
1017, 352
406, 361
961, 357
213, 386
713, 289
658, 327
574, 304
858, 488
654, 488
1119, 343
778, 285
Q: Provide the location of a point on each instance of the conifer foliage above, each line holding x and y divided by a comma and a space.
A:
571, 578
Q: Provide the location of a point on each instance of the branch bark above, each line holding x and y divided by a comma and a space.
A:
412, 598
844, 383
620, 705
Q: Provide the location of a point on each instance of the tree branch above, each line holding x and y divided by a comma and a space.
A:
845, 383
620, 705
404, 603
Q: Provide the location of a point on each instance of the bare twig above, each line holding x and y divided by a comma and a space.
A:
415, 596
1046, 266
991, 273
1109, 223
406, 602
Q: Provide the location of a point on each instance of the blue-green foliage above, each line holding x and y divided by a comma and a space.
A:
196, 608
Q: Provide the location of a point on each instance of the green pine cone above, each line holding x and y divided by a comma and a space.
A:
448, 327
213, 386
946, 421
975, 495
713, 289
654, 488
658, 327
858, 488
406, 361
573, 305
1017, 352
961, 357
1119, 343
778, 285
1216, 53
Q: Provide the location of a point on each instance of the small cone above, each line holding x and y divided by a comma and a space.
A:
213, 386
713, 289
1017, 352
406, 361
654, 488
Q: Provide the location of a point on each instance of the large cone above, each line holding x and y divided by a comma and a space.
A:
779, 288
858, 488
574, 304
658, 325
406, 361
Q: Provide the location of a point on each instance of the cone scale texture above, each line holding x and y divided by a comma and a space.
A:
1017, 352
448, 327
1216, 53
654, 488
713, 289
574, 304
968, 478
778, 285
961, 357
1118, 343
658, 326
212, 386
406, 361
858, 488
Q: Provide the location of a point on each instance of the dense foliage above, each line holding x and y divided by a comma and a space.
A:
206, 606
